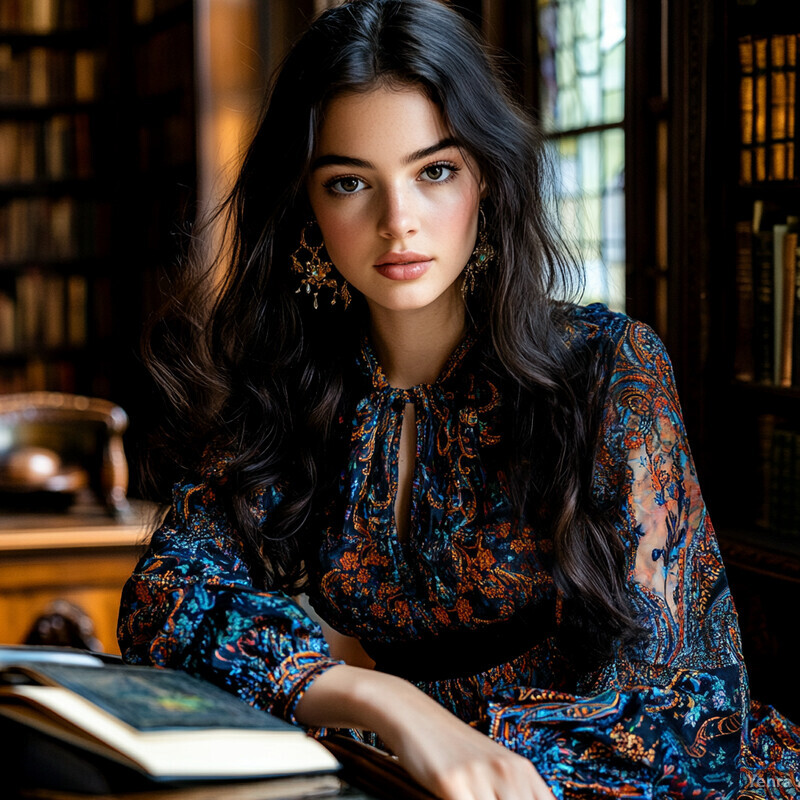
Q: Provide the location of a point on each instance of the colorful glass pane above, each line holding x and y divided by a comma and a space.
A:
592, 209
582, 82
582, 58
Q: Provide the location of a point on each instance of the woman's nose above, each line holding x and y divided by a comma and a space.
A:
399, 218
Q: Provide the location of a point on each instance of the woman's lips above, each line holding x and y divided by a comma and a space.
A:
403, 266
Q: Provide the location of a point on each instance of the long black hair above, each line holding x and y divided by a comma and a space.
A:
246, 363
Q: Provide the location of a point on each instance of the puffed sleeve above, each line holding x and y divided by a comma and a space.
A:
191, 605
669, 717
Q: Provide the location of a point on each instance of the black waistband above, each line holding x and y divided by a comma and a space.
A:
458, 654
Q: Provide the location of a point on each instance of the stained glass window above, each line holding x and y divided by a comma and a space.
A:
582, 94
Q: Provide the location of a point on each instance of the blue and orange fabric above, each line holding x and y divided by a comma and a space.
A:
669, 717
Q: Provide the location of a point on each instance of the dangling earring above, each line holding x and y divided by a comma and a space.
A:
315, 271
481, 257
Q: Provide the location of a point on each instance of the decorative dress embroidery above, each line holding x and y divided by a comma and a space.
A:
670, 717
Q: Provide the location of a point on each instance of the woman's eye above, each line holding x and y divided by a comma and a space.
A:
438, 173
346, 185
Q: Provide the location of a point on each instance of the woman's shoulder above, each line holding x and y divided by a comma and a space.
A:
621, 337
598, 322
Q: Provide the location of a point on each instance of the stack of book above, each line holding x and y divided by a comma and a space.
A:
77, 723
768, 108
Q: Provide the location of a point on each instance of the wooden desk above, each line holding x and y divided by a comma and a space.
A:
83, 556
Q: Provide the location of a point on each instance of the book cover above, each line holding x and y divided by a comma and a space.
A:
47, 769
167, 725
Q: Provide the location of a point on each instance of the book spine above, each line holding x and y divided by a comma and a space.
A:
761, 108
746, 109
76, 310
778, 108
779, 232
763, 324
791, 106
7, 323
787, 310
796, 325
744, 369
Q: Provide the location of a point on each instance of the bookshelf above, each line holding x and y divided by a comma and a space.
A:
97, 163
755, 235
750, 452
54, 201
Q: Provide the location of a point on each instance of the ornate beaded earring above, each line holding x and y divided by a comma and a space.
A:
316, 272
481, 257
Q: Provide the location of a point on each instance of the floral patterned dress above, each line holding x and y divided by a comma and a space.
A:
465, 606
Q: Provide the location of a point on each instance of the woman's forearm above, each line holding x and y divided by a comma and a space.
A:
352, 697
447, 756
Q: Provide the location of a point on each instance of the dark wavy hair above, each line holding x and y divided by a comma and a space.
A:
246, 363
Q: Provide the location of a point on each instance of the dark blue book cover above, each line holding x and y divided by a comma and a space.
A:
150, 699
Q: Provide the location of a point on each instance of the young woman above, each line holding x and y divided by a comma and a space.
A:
483, 490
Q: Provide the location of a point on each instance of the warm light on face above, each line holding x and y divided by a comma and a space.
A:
395, 198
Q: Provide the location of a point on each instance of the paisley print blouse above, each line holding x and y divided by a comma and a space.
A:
669, 717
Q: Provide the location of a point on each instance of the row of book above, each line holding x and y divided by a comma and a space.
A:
53, 149
40, 75
38, 375
41, 309
767, 349
768, 108
44, 16
58, 228
780, 475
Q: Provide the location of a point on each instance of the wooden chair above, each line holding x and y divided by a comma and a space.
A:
54, 446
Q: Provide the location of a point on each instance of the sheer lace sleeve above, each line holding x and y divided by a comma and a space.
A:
669, 716
191, 605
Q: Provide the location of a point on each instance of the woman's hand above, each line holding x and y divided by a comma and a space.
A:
455, 761
444, 754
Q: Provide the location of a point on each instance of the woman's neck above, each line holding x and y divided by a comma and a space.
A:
413, 346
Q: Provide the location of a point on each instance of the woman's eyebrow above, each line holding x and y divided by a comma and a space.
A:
443, 144
350, 161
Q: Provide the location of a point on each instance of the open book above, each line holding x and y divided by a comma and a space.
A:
164, 725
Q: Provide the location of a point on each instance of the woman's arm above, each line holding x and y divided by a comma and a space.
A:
191, 605
443, 753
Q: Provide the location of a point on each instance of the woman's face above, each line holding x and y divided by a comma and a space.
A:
395, 198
